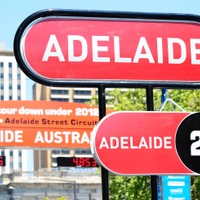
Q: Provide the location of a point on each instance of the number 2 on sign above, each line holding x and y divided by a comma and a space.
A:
195, 146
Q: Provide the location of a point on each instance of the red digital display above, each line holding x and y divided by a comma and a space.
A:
2, 161
76, 162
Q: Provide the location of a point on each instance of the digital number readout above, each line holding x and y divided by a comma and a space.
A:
76, 162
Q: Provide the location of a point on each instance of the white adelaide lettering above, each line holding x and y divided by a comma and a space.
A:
62, 136
147, 54
127, 142
171, 53
71, 51
102, 48
49, 52
96, 48
194, 51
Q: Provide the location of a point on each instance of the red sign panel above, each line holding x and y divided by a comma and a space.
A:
139, 143
92, 48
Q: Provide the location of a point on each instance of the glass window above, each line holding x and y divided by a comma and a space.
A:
59, 99
82, 92
20, 165
82, 151
1, 64
11, 165
59, 92
10, 65
55, 151
65, 151
81, 100
20, 153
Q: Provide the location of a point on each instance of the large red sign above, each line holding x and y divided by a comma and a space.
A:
99, 48
141, 143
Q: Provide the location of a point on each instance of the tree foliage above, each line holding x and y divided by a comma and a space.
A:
138, 187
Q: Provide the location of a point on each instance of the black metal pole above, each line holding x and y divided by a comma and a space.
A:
150, 107
102, 113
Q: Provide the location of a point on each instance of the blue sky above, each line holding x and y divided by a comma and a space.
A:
13, 12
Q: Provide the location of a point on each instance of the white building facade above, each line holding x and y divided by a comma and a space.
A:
13, 87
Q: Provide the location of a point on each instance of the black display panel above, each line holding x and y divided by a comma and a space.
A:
76, 162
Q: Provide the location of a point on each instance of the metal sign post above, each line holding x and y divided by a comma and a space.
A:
102, 113
150, 107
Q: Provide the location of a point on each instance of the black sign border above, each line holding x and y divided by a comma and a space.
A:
99, 14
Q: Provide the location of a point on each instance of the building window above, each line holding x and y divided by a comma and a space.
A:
11, 165
10, 65
59, 99
65, 151
20, 154
55, 151
1, 64
10, 76
59, 92
11, 153
82, 92
10, 97
20, 165
10, 86
1, 75
82, 151
81, 100
2, 87
2, 97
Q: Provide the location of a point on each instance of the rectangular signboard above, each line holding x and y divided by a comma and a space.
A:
176, 187
46, 124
